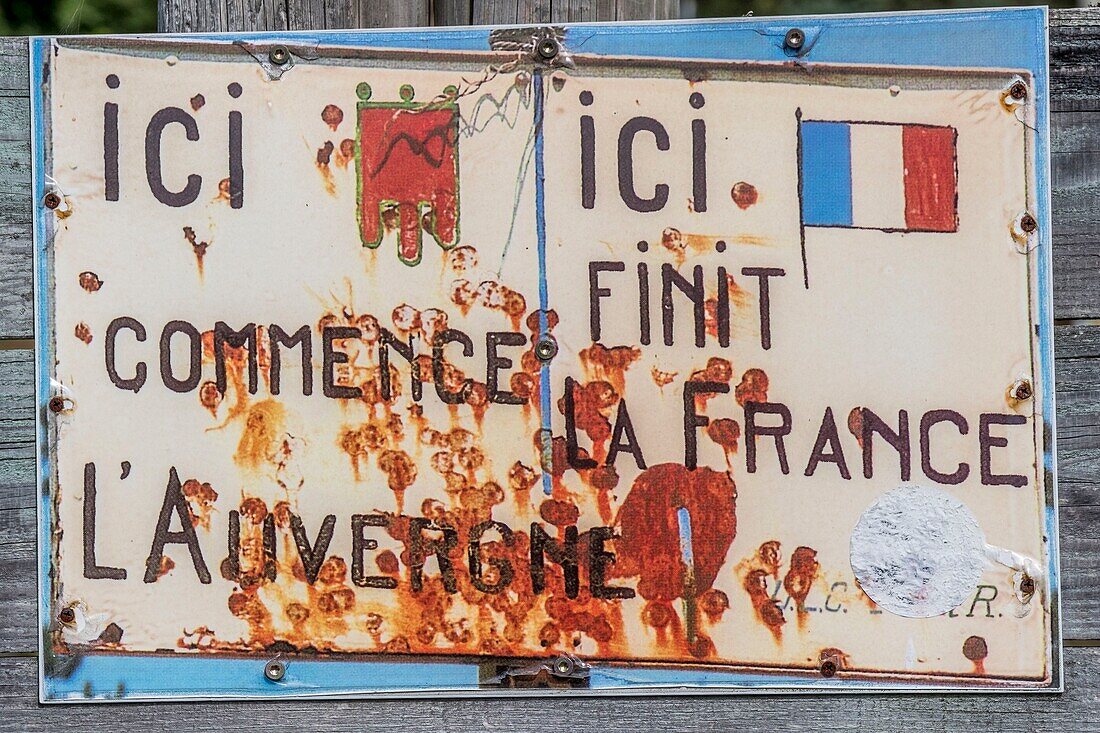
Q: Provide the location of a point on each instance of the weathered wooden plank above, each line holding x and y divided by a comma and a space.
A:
1073, 711
256, 15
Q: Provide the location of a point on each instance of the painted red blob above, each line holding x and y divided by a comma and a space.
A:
650, 536
743, 194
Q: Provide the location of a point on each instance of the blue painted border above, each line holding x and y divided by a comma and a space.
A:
1013, 38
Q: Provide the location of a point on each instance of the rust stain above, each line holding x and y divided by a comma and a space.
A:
332, 116
800, 578
223, 190
210, 397
661, 378
324, 155
345, 153
743, 194
200, 498
855, 424
752, 388
264, 425
976, 650
83, 332
610, 363
90, 281
197, 102
198, 247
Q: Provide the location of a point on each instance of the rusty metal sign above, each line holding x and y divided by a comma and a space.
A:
700, 356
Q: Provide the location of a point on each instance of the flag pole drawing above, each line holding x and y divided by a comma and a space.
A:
408, 169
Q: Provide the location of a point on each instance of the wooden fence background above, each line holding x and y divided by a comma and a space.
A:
1075, 105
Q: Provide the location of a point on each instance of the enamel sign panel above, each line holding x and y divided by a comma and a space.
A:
692, 356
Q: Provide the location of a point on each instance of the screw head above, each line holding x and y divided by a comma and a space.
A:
279, 55
66, 615
1018, 90
1028, 223
794, 39
1027, 585
57, 403
1021, 390
274, 670
547, 49
563, 666
51, 200
828, 668
546, 348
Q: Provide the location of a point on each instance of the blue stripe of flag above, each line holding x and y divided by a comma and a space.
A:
826, 174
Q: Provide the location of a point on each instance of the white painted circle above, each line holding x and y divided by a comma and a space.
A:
918, 551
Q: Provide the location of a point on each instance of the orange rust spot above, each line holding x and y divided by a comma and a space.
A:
198, 247
752, 388
767, 610
263, 426
976, 650
650, 542
743, 194
324, 155
197, 102
610, 364
332, 116
200, 499
855, 424
559, 513
90, 281
210, 397
714, 603
800, 578
769, 556
725, 432
223, 190
167, 565
83, 332
662, 379
345, 153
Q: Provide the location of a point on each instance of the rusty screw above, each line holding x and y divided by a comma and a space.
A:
828, 668
66, 615
1018, 90
1028, 223
274, 670
1021, 390
278, 55
57, 403
51, 200
1027, 585
546, 349
547, 49
794, 39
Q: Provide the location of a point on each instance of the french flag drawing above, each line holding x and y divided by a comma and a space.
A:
892, 177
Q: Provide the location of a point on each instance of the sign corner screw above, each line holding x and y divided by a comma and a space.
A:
547, 49
279, 55
794, 39
1021, 390
51, 200
546, 348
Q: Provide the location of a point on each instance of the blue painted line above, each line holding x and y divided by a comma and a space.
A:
826, 174
544, 298
687, 554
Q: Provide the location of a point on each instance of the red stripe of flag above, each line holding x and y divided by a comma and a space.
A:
931, 178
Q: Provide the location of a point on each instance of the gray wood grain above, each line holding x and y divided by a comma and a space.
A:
1075, 710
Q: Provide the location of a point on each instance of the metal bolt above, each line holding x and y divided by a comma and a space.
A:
66, 615
1028, 223
278, 55
274, 670
547, 49
794, 39
57, 403
828, 668
1018, 90
546, 349
51, 200
1027, 585
1021, 390
563, 666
